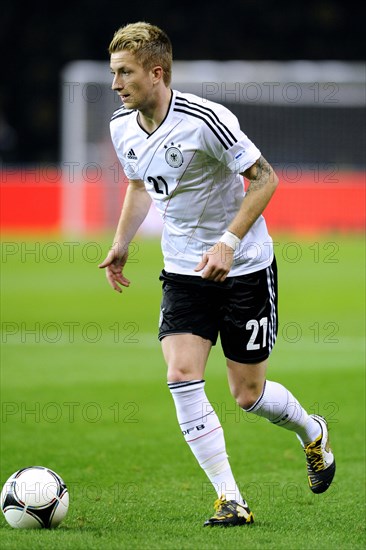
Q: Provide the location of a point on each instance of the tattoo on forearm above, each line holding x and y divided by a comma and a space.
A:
262, 174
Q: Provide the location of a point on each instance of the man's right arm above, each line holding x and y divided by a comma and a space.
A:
135, 208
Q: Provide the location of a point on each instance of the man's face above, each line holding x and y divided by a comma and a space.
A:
131, 81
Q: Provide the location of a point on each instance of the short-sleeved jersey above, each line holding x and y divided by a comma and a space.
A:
191, 167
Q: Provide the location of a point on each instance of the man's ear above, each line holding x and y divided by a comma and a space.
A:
157, 73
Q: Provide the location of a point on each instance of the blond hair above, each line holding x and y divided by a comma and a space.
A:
150, 45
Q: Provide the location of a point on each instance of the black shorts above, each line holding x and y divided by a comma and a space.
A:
243, 310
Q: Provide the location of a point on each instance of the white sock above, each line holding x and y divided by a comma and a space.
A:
203, 432
281, 408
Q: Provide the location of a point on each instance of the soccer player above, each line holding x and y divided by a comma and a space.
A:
189, 156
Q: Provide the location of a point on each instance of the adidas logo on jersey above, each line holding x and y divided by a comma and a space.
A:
131, 155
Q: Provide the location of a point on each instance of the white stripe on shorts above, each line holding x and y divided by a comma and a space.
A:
272, 301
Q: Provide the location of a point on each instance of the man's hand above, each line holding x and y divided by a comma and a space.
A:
114, 264
216, 263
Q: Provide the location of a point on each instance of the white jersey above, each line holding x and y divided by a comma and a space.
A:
191, 167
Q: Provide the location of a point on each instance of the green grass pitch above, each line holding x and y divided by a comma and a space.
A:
83, 391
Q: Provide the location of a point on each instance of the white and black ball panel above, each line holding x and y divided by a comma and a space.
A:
60, 510
22, 518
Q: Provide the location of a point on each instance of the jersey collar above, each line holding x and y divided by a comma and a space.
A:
172, 95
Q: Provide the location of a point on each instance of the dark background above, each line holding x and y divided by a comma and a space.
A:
39, 38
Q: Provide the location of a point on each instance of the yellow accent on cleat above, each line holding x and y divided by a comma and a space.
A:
230, 513
320, 461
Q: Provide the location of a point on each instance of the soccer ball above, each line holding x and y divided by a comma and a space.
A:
34, 498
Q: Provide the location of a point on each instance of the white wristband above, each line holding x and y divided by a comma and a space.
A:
230, 240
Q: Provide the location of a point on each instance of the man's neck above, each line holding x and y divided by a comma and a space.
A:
150, 119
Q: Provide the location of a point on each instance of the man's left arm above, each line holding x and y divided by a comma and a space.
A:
262, 184
216, 262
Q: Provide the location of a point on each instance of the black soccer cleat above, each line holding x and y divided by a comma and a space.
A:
229, 513
320, 462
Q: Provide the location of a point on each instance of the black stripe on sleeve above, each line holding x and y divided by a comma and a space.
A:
206, 121
212, 116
